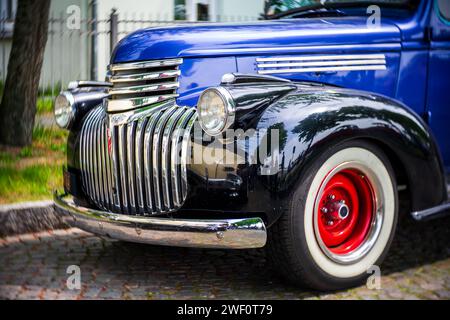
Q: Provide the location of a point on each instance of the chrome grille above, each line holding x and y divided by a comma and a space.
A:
139, 84
137, 165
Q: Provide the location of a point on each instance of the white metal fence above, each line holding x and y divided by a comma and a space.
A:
82, 53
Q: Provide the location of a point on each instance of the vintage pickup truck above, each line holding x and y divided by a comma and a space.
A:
300, 133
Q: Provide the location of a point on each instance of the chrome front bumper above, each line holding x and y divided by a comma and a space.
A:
226, 234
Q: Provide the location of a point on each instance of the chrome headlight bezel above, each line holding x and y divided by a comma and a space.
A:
229, 108
67, 110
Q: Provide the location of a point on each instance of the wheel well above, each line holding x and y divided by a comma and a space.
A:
403, 184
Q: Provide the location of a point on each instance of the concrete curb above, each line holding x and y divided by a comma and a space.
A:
29, 217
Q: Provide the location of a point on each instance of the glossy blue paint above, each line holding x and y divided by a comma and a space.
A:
438, 103
197, 74
380, 81
413, 77
416, 46
262, 36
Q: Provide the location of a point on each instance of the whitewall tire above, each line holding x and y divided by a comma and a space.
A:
341, 218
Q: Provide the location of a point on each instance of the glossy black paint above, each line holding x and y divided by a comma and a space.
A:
310, 120
253, 98
85, 98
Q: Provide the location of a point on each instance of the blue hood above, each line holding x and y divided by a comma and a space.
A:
249, 38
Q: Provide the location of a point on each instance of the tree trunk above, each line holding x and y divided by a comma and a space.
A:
18, 107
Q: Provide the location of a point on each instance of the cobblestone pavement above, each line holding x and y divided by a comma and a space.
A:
34, 266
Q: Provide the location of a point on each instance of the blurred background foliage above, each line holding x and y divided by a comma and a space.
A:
33, 172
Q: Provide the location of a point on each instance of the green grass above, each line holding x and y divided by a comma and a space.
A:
44, 105
50, 138
32, 173
35, 182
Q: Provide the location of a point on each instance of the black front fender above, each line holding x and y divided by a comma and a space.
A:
313, 118
317, 119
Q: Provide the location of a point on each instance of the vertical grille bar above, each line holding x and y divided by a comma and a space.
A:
165, 158
98, 152
139, 164
175, 163
83, 157
157, 158
122, 145
148, 142
130, 130
184, 155
89, 170
108, 167
92, 146
115, 168
105, 164
101, 152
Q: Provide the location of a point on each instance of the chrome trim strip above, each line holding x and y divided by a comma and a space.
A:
145, 88
148, 156
101, 152
115, 167
431, 213
145, 76
157, 157
184, 155
175, 162
131, 88
130, 131
294, 49
107, 166
166, 157
324, 63
321, 63
89, 159
83, 84
123, 165
83, 156
94, 143
225, 234
324, 69
145, 64
139, 137
327, 57
122, 105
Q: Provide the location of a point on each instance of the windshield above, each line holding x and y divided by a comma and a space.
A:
281, 8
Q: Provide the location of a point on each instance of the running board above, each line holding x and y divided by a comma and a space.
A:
435, 212
432, 213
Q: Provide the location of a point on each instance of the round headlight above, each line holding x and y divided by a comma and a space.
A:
216, 110
64, 110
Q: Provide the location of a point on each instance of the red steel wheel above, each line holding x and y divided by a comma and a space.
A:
346, 210
341, 218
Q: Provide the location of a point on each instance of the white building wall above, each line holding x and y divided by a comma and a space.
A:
239, 10
66, 56
227, 10
156, 10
